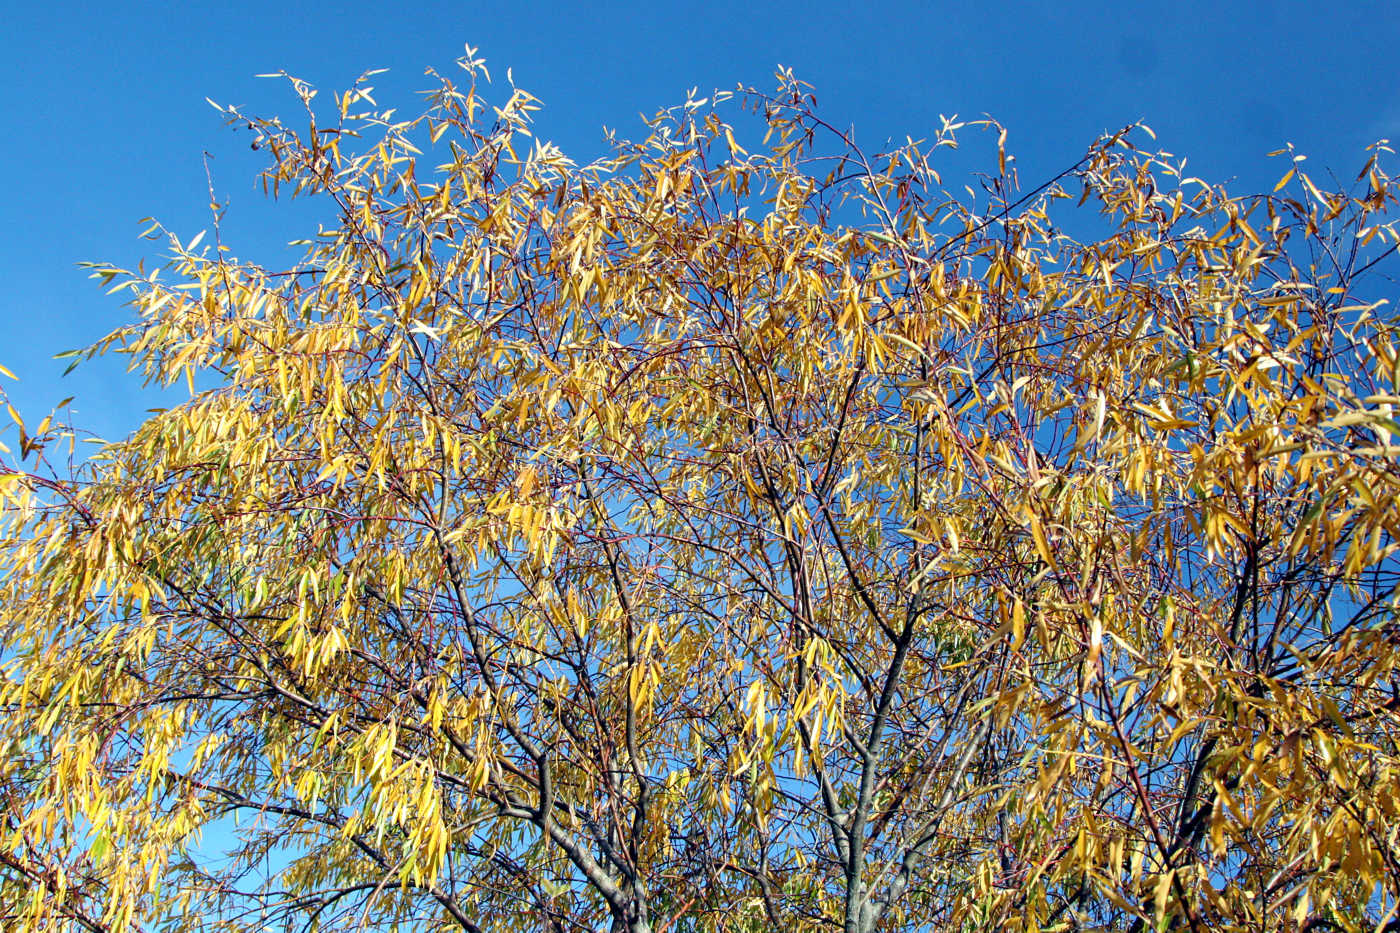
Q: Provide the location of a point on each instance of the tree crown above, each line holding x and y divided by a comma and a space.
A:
744, 531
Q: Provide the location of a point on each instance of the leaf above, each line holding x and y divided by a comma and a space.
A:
1042, 543
1161, 894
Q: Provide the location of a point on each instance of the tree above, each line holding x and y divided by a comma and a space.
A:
723, 538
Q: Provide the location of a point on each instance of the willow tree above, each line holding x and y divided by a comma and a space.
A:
722, 538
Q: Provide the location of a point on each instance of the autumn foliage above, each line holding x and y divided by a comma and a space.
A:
743, 532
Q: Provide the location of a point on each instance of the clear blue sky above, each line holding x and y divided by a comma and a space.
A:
105, 118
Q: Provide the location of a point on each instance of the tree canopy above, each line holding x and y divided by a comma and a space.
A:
745, 531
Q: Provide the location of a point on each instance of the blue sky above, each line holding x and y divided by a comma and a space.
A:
106, 120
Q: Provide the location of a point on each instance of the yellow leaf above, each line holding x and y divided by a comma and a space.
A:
1163, 892
1042, 543
526, 481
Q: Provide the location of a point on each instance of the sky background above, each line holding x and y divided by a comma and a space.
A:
106, 122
